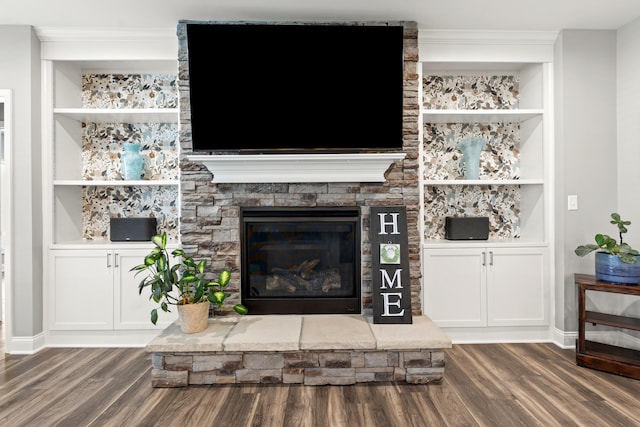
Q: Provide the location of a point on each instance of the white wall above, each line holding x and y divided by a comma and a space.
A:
628, 109
20, 73
628, 172
586, 155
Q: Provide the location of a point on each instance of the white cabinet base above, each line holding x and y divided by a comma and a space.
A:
94, 300
489, 293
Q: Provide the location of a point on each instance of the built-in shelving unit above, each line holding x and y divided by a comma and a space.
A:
83, 174
91, 108
495, 289
505, 105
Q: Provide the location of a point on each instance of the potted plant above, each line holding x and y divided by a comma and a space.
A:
616, 262
183, 284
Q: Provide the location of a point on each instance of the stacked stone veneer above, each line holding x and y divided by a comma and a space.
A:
297, 367
210, 212
291, 349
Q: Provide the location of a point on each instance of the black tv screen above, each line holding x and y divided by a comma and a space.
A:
299, 87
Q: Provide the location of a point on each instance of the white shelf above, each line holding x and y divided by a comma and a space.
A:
493, 243
480, 116
128, 115
107, 244
111, 183
484, 182
101, 244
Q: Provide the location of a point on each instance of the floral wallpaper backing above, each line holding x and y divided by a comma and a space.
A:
471, 92
129, 91
102, 147
500, 158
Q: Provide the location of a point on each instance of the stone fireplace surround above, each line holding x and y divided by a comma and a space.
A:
299, 349
210, 211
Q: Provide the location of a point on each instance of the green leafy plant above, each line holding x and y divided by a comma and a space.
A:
184, 282
608, 244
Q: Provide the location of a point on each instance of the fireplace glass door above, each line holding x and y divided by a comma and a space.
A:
297, 261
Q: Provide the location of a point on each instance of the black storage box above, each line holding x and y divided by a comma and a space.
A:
466, 228
132, 229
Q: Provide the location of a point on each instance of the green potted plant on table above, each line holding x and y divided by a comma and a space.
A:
616, 262
183, 284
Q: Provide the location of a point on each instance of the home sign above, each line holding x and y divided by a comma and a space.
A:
390, 265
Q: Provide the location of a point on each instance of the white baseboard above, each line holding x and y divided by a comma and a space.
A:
487, 335
129, 338
26, 345
564, 339
31, 345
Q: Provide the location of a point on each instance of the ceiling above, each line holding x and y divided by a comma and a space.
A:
546, 15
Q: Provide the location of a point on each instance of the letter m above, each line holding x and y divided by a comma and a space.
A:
390, 281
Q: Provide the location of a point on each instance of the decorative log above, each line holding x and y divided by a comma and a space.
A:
302, 277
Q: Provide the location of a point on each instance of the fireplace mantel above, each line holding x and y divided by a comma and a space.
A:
269, 168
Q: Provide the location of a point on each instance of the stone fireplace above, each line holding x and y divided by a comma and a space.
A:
212, 221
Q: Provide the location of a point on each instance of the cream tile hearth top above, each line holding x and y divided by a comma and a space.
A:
301, 332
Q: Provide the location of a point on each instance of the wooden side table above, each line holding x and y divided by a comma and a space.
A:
605, 357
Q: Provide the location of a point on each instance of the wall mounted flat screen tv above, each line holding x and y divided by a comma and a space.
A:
271, 87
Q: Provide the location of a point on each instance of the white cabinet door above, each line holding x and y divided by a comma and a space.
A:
81, 294
517, 287
455, 287
95, 290
132, 310
486, 286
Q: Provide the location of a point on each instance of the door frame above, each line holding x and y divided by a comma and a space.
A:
7, 196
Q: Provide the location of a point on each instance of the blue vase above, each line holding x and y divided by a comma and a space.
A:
471, 149
131, 162
610, 269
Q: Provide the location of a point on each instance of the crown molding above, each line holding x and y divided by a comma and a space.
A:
472, 37
100, 43
489, 47
81, 34
52, 34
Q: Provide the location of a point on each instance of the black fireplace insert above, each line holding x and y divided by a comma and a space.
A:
301, 260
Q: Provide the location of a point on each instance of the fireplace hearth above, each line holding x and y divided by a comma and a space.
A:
301, 260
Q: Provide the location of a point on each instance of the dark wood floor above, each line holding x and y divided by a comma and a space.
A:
485, 385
